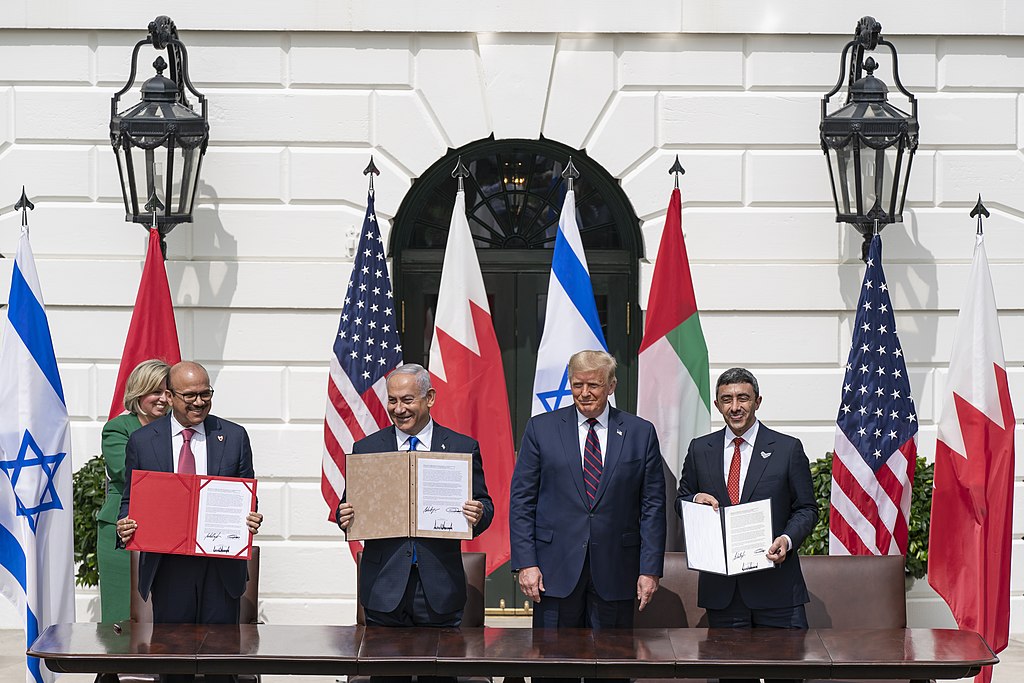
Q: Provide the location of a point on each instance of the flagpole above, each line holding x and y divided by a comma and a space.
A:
979, 211
371, 170
570, 174
25, 205
460, 173
677, 170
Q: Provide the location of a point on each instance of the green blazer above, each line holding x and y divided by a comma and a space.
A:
115, 438
114, 565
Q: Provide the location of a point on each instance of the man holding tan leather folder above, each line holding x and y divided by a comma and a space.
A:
406, 581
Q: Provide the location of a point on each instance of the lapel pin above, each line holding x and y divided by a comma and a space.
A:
765, 455
220, 437
619, 432
443, 447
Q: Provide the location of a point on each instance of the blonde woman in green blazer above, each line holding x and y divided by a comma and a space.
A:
146, 398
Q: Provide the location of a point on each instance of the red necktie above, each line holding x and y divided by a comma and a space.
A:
733, 485
592, 464
186, 460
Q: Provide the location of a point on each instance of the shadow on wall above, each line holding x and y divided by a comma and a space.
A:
910, 274
207, 282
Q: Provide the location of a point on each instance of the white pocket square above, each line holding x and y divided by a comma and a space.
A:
765, 455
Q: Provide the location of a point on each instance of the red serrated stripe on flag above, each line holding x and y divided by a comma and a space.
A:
472, 401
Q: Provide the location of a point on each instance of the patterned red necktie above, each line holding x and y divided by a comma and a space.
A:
186, 460
733, 484
592, 462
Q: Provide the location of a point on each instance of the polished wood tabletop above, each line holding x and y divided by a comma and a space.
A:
640, 653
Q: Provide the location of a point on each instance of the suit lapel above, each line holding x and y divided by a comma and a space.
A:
389, 439
714, 453
569, 431
616, 435
214, 446
161, 444
758, 463
439, 439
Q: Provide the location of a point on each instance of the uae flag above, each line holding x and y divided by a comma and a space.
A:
467, 373
972, 504
674, 390
152, 332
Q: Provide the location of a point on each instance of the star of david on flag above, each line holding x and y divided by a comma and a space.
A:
36, 539
31, 475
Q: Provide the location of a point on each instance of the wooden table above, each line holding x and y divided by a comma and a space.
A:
643, 653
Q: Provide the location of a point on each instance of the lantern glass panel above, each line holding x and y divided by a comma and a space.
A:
127, 195
845, 176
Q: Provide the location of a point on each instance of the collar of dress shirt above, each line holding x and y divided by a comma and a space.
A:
602, 419
749, 436
177, 428
425, 435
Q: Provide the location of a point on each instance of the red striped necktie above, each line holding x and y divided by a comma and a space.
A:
592, 461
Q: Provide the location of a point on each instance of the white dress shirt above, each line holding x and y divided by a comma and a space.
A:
425, 437
198, 444
746, 451
601, 428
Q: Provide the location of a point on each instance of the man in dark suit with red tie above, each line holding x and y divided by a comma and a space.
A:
187, 589
587, 506
745, 462
406, 581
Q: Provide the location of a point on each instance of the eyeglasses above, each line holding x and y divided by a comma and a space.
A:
190, 396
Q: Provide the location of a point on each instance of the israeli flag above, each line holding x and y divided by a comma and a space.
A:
36, 538
570, 322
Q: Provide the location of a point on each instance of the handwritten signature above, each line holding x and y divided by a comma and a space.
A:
221, 549
212, 535
430, 509
442, 525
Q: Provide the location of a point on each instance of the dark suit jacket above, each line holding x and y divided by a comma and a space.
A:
384, 571
551, 523
149, 448
784, 476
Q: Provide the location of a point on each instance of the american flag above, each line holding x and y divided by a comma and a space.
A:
366, 349
876, 445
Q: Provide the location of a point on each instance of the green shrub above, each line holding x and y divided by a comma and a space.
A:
920, 514
89, 484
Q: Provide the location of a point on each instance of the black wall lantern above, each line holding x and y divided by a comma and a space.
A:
160, 142
869, 144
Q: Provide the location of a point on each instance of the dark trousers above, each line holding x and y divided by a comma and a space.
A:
413, 610
737, 615
582, 608
188, 590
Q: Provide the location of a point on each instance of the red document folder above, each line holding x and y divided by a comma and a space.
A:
166, 508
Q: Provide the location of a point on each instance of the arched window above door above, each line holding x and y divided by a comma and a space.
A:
514, 197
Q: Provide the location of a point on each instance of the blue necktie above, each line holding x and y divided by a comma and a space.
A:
413, 443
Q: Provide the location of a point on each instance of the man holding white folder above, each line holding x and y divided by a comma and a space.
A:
746, 462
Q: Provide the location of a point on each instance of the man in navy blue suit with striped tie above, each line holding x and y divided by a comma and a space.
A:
587, 506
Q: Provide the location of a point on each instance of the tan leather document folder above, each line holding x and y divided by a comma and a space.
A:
408, 494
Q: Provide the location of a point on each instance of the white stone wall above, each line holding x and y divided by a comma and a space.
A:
301, 94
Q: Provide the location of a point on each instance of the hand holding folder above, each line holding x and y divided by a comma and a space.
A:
187, 514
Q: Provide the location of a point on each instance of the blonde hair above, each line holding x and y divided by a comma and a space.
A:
147, 377
585, 361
